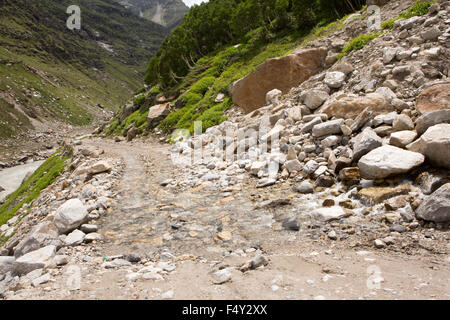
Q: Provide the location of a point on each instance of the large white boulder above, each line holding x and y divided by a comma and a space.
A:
388, 160
435, 145
70, 215
33, 260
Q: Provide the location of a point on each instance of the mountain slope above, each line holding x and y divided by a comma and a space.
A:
168, 13
220, 42
48, 72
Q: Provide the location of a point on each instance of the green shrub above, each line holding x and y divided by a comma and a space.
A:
139, 101
388, 24
418, 9
213, 116
202, 85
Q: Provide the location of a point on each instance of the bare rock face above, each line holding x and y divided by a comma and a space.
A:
388, 160
434, 98
281, 73
436, 207
351, 107
157, 113
435, 145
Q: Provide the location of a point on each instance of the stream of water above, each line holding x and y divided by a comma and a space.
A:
11, 178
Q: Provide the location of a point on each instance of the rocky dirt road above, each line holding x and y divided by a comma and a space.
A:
194, 243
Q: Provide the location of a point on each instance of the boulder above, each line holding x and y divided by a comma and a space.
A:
305, 187
328, 128
429, 182
69, 216
127, 111
6, 264
273, 96
431, 34
74, 238
402, 138
434, 98
33, 260
293, 165
375, 195
157, 113
282, 73
402, 122
132, 133
329, 213
351, 107
387, 93
389, 55
432, 118
435, 145
365, 142
334, 79
315, 98
42, 235
436, 207
388, 160
310, 125
99, 167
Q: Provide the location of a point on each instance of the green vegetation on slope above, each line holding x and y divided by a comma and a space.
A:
418, 9
358, 43
219, 23
214, 72
30, 189
51, 73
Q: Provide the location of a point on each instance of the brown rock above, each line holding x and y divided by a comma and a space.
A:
157, 113
281, 73
435, 98
350, 174
132, 133
396, 203
380, 194
351, 107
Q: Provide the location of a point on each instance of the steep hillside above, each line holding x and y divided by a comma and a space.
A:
168, 13
218, 43
48, 72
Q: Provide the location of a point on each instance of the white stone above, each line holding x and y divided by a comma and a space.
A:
70, 215
334, 79
74, 238
221, 276
38, 259
273, 96
388, 160
328, 214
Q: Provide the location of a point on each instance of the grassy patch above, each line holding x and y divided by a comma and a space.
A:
418, 9
358, 43
43, 177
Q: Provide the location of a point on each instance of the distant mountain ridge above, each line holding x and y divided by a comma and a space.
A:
168, 13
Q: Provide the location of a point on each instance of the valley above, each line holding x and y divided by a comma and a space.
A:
297, 155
